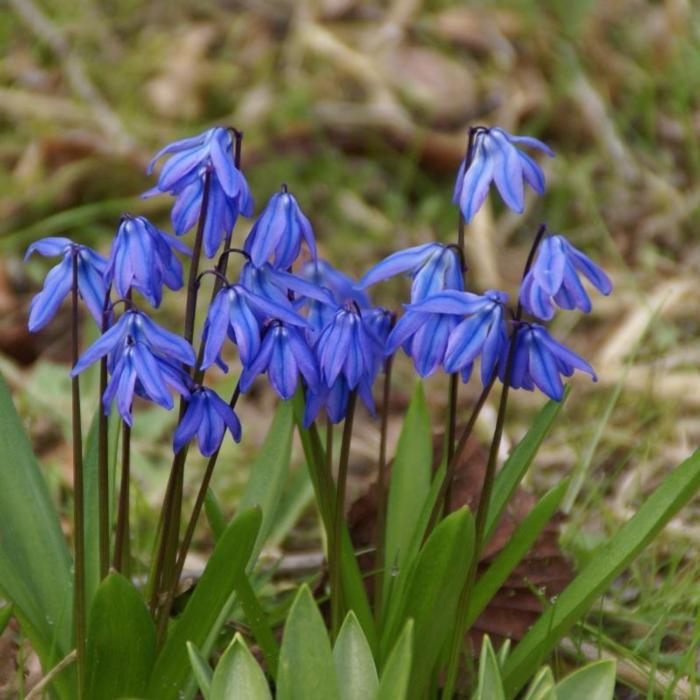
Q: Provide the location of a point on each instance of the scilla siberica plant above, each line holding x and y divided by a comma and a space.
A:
316, 335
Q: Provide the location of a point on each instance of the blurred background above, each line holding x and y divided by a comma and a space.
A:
363, 107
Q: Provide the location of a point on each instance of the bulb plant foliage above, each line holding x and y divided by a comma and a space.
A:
322, 343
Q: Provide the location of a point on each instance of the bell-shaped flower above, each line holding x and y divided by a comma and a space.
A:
495, 157
554, 279
481, 333
540, 361
432, 266
211, 150
59, 280
240, 313
143, 258
280, 286
279, 231
284, 354
347, 347
207, 416
334, 400
138, 370
137, 327
423, 336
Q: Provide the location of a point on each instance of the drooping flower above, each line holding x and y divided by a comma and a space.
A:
143, 258
554, 279
278, 286
495, 157
141, 329
240, 313
183, 176
481, 333
424, 336
284, 354
347, 347
432, 266
334, 400
136, 369
59, 280
540, 360
279, 232
208, 417
211, 150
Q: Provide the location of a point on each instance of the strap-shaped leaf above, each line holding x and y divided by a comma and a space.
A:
238, 675
354, 665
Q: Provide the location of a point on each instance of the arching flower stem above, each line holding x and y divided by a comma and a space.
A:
103, 456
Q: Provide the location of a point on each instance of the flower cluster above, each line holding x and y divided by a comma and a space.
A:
314, 328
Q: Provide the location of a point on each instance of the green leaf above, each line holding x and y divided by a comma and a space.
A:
306, 670
430, 599
593, 682
91, 487
354, 590
121, 641
297, 498
610, 560
393, 684
5, 616
410, 481
490, 685
215, 516
238, 675
201, 669
223, 571
517, 547
354, 665
35, 566
542, 686
519, 461
268, 474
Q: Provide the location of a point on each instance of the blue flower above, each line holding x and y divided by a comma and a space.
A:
424, 336
136, 327
283, 354
207, 416
334, 400
240, 313
59, 280
183, 176
136, 369
554, 277
539, 361
278, 286
279, 232
212, 150
494, 156
347, 347
432, 266
143, 258
481, 333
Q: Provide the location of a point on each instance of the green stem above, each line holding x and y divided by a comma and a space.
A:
122, 537
382, 492
485, 497
78, 501
339, 516
103, 456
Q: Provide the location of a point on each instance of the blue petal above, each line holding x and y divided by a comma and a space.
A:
271, 310
452, 301
91, 287
305, 359
176, 147
532, 173
589, 269
228, 415
466, 342
260, 364
544, 371
530, 141
189, 422
216, 324
222, 160
211, 430
283, 367
107, 342
150, 377
507, 171
407, 325
164, 342
476, 181
397, 263
57, 284
548, 269
180, 167
561, 352
246, 328
185, 211
50, 247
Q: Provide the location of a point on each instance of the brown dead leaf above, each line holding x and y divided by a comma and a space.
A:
541, 575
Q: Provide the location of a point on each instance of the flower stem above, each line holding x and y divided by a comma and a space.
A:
382, 491
339, 514
78, 501
485, 496
192, 524
122, 537
103, 456
164, 567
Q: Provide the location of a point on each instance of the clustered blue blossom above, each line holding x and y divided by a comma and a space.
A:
316, 329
